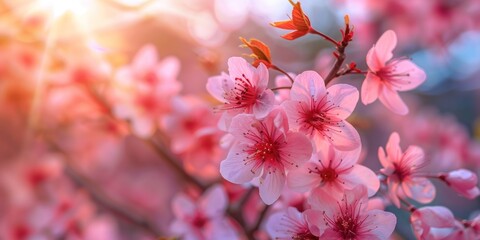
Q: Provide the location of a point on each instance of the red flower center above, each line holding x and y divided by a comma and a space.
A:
243, 95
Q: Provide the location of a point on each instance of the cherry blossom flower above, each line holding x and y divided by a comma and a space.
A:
266, 149
334, 171
403, 171
347, 217
142, 91
386, 76
203, 218
243, 91
289, 224
463, 181
320, 113
432, 223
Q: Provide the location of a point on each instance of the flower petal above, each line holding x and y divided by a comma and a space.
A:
420, 189
183, 206
214, 201
261, 77
345, 97
414, 75
218, 85
145, 60
235, 169
302, 179
343, 137
380, 223
307, 85
264, 104
392, 101
385, 45
272, 184
296, 151
240, 68
371, 88
361, 175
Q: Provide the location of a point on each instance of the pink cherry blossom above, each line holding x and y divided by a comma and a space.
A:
433, 223
463, 181
347, 217
204, 218
386, 76
289, 224
321, 113
142, 91
244, 90
266, 149
334, 171
404, 172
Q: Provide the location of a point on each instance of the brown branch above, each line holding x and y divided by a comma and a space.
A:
101, 198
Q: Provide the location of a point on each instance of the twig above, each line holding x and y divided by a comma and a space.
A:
101, 198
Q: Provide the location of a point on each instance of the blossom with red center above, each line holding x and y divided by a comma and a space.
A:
289, 224
386, 76
334, 171
202, 218
404, 172
266, 149
321, 113
244, 90
143, 91
347, 216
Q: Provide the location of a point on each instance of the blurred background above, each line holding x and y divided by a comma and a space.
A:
69, 169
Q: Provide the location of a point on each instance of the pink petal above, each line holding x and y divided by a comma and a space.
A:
241, 124
345, 97
371, 88
385, 46
145, 60
218, 85
420, 189
261, 76
272, 184
414, 157
330, 234
302, 179
168, 68
393, 146
183, 206
361, 175
291, 109
393, 187
264, 104
298, 150
235, 169
392, 101
381, 224
383, 159
221, 229
415, 77
214, 201
435, 216
282, 225
374, 64
142, 126
307, 85
239, 67
344, 137
316, 221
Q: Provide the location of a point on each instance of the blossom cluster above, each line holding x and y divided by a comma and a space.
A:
101, 143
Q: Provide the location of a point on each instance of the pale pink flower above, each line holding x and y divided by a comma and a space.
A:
347, 217
321, 113
289, 224
189, 115
283, 81
266, 149
463, 181
386, 76
403, 171
202, 219
244, 90
334, 171
433, 223
143, 90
